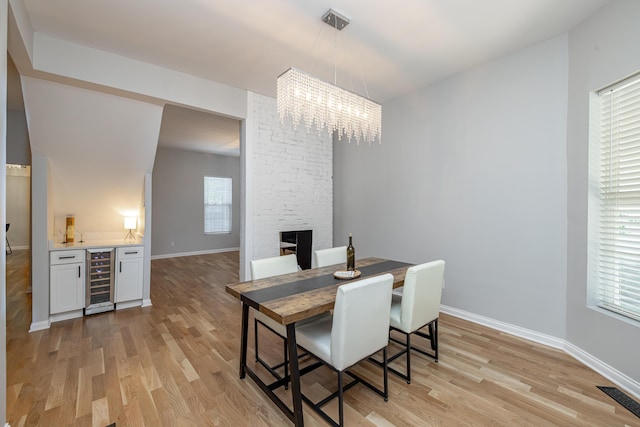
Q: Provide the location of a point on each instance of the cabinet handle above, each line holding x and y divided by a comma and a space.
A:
78, 271
131, 253
67, 257
120, 266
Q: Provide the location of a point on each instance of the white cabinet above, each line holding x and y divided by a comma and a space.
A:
129, 272
66, 270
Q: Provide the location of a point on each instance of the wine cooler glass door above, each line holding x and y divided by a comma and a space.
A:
99, 292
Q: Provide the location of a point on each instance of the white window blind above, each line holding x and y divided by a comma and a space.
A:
217, 205
618, 264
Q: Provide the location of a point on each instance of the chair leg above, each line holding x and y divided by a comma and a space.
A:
342, 388
340, 400
434, 338
385, 374
408, 358
431, 337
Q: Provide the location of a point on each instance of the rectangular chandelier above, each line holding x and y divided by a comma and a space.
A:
301, 96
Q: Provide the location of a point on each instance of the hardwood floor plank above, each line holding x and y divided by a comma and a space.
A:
100, 412
176, 364
55, 396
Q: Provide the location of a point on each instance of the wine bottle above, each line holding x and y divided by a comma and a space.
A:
351, 255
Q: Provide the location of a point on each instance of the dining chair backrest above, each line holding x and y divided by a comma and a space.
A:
275, 266
360, 320
421, 295
331, 256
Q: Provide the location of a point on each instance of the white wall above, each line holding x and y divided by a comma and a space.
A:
18, 149
602, 50
3, 265
41, 227
472, 170
99, 148
292, 181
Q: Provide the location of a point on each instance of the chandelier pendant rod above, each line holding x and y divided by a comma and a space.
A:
316, 103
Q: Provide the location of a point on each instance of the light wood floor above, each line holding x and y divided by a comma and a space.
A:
176, 364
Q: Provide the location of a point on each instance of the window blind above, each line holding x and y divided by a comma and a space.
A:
217, 205
618, 265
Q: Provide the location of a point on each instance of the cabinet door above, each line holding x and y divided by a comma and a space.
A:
128, 279
67, 287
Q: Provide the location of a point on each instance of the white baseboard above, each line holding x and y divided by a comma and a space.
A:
538, 337
66, 316
146, 302
38, 326
618, 378
128, 304
205, 252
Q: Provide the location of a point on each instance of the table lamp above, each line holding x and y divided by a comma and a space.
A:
129, 224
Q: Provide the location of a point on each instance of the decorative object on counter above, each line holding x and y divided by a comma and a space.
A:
347, 275
71, 221
81, 239
129, 224
351, 255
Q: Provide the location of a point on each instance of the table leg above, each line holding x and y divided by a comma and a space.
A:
243, 341
296, 394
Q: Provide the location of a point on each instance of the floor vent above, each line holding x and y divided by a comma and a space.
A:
622, 399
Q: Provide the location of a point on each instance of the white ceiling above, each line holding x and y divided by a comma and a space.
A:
393, 47
199, 131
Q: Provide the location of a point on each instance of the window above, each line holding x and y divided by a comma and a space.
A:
614, 198
217, 205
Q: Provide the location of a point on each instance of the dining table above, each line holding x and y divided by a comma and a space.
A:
294, 297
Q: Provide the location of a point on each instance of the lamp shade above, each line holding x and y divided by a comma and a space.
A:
129, 222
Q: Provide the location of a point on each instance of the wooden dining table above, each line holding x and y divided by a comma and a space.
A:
290, 298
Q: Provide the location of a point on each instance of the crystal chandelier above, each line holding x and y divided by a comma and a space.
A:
301, 96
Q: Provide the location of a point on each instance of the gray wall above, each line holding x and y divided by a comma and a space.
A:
489, 171
603, 49
472, 170
178, 206
19, 207
18, 148
18, 191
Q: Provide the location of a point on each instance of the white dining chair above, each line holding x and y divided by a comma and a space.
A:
274, 266
358, 328
261, 269
331, 256
416, 308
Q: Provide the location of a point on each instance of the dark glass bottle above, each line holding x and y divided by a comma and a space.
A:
351, 255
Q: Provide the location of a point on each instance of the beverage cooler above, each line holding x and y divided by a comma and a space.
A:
100, 280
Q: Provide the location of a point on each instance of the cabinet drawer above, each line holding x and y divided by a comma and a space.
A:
129, 252
66, 257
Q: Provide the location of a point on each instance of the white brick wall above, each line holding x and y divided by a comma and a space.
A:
292, 181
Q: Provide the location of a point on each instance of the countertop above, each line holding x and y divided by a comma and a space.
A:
89, 244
